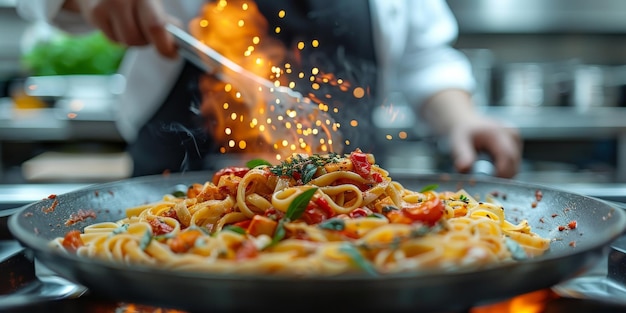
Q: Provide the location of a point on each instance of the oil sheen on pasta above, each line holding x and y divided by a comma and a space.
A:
354, 218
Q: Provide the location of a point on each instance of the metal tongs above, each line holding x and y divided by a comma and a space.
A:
215, 63
282, 99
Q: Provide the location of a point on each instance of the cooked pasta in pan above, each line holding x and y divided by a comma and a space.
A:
310, 215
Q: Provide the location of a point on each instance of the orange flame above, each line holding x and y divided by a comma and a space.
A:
242, 114
532, 302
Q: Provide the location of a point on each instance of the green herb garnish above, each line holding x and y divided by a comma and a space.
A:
180, 191
294, 211
358, 258
257, 162
299, 204
145, 240
333, 224
304, 166
121, 229
429, 187
235, 228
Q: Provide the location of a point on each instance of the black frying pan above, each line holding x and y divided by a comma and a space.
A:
572, 251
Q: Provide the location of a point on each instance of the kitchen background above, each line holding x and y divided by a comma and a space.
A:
555, 69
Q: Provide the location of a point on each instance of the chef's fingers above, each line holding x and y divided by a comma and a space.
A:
152, 19
100, 17
506, 150
463, 151
127, 25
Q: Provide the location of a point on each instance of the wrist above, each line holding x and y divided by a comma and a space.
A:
446, 108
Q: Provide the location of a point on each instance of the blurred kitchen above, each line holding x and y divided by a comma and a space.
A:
557, 71
554, 69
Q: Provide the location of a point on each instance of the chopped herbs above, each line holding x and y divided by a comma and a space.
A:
305, 167
464, 198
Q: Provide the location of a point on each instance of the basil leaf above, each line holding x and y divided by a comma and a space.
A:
429, 187
517, 252
145, 240
358, 259
299, 204
279, 234
376, 215
257, 162
333, 224
180, 191
235, 229
121, 229
308, 173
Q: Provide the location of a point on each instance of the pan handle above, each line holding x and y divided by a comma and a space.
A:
483, 165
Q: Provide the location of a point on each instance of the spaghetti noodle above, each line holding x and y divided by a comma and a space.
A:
310, 215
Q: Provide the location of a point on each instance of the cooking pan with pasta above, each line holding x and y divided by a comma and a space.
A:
346, 236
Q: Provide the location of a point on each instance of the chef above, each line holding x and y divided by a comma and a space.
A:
406, 42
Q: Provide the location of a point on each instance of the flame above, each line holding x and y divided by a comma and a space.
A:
532, 302
244, 114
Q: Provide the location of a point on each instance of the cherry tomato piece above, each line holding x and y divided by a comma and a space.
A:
428, 212
235, 170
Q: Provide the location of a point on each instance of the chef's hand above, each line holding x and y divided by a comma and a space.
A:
129, 22
452, 113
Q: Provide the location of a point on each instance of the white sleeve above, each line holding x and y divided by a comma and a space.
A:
38, 10
429, 63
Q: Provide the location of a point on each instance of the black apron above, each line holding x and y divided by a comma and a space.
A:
175, 140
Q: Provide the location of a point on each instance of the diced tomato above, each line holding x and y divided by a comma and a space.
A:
247, 250
323, 204
243, 224
314, 215
72, 241
235, 170
397, 217
377, 177
273, 214
159, 227
184, 240
428, 212
194, 190
261, 225
358, 212
170, 213
360, 164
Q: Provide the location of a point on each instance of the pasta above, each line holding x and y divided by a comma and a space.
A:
310, 215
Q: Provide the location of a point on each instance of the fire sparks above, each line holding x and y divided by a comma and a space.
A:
243, 114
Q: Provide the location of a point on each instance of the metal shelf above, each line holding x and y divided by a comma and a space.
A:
562, 122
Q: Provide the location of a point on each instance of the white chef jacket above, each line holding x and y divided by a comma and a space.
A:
412, 39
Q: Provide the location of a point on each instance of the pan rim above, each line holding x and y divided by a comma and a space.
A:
30, 240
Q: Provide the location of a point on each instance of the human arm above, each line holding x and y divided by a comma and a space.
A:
451, 113
437, 79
